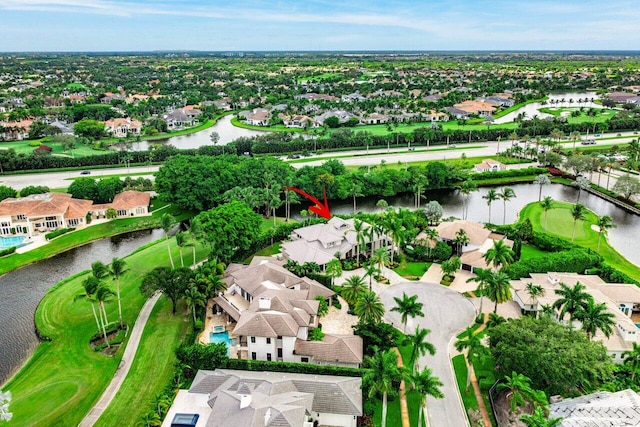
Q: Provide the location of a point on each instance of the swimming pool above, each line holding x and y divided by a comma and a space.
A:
7, 242
218, 337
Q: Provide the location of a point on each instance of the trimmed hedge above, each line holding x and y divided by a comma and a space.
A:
7, 251
611, 274
531, 170
576, 260
57, 233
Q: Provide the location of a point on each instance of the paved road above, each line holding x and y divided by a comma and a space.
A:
125, 364
63, 179
446, 314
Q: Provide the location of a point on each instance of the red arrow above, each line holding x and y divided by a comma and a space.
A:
321, 209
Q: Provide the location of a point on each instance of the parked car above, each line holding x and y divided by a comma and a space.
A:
85, 173
588, 142
597, 135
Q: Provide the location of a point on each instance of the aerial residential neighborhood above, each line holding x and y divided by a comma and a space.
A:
319, 214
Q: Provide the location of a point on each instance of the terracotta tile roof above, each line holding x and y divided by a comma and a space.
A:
131, 199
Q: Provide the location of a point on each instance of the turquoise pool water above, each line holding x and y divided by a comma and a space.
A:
7, 242
218, 337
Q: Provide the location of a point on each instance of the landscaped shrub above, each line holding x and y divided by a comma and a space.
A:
7, 251
316, 334
613, 275
57, 233
441, 252
576, 260
549, 243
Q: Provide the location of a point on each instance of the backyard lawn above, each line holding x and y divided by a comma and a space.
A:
65, 376
411, 270
560, 223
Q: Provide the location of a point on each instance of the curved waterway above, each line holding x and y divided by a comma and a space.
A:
21, 290
624, 238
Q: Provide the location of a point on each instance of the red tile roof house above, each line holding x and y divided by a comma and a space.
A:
489, 165
121, 127
42, 213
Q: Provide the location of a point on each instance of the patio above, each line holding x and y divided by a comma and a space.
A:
339, 321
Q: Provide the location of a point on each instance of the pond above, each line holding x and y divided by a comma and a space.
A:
21, 290
624, 238
227, 131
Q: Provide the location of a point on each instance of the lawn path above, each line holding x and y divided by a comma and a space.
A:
125, 364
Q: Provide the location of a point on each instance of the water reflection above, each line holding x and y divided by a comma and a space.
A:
623, 238
21, 291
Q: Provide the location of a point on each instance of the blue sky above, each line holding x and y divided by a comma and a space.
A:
141, 25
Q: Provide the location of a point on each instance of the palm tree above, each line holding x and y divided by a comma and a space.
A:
605, 222
498, 289
632, 358
369, 308
117, 269
103, 296
546, 204
491, 196
352, 289
182, 242
571, 300
90, 285
99, 270
419, 346
194, 231
461, 239
333, 269
541, 180
519, 387
482, 276
382, 374
595, 316
166, 222
407, 307
194, 299
539, 419
578, 212
380, 258
494, 320
534, 292
426, 384
358, 228
469, 343
500, 255
506, 195
370, 269
450, 266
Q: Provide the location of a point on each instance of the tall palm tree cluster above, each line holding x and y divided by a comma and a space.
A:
99, 294
580, 305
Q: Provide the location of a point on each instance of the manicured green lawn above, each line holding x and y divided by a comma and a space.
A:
529, 251
121, 175
85, 235
153, 366
412, 269
267, 223
65, 377
460, 368
380, 130
560, 223
276, 128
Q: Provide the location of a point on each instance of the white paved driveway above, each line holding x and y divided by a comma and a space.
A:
446, 314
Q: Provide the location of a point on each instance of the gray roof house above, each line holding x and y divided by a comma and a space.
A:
603, 408
234, 398
320, 243
274, 310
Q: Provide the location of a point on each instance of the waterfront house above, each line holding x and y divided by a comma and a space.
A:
270, 312
623, 300
235, 398
489, 165
321, 243
120, 128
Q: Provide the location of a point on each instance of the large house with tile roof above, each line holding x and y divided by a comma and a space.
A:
320, 243
602, 408
623, 300
274, 311
480, 241
42, 213
120, 128
234, 398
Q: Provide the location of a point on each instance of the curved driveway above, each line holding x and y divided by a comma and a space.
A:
446, 314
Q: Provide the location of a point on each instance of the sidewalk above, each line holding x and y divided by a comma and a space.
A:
125, 364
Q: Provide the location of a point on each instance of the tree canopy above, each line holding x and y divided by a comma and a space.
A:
543, 349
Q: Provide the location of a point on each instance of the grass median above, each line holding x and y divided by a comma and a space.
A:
65, 377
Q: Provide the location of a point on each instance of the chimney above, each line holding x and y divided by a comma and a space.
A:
264, 303
245, 395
